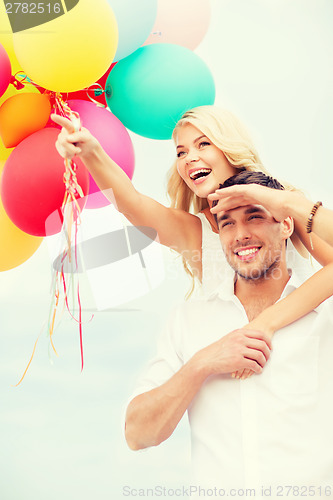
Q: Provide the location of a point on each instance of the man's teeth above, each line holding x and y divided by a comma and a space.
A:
200, 173
247, 251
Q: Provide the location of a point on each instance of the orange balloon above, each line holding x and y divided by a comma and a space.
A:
16, 246
11, 91
21, 116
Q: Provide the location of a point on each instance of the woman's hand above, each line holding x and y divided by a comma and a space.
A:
71, 143
274, 200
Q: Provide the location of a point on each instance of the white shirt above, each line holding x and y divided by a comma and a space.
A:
273, 429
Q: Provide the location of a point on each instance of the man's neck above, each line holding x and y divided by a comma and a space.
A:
257, 295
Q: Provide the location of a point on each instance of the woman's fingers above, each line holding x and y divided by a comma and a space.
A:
63, 122
66, 149
228, 204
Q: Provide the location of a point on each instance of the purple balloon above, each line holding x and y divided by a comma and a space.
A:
114, 139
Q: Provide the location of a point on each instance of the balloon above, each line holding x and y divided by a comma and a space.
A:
151, 89
170, 27
5, 70
114, 139
6, 39
6, 34
4, 152
11, 91
89, 94
16, 246
135, 20
21, 115
72, 51
32, 184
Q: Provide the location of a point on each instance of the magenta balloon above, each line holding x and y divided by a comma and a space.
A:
5, 70
114, 139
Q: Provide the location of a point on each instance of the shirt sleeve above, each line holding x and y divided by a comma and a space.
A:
168, 359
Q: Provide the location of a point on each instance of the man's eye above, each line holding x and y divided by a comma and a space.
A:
255, 217
225, 224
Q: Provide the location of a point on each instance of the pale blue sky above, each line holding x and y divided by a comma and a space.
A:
61, 435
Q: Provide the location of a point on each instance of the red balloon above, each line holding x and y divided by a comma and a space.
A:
32, 186
84, 94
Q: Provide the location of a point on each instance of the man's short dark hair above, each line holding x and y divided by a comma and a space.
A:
246, 177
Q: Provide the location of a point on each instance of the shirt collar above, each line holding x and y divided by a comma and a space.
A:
225, 290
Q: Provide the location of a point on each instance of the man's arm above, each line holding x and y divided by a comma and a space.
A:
152, 417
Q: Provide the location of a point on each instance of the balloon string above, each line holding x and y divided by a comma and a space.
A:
71, 212
31, 358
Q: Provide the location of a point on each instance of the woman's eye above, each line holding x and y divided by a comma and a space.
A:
180, 154
204, 143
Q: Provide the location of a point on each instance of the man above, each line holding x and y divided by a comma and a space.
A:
271, 430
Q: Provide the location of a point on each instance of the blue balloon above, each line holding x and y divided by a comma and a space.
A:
135, 19
151, 89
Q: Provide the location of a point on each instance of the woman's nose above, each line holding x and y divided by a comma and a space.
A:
192, 157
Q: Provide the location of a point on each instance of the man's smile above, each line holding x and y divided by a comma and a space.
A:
247, 253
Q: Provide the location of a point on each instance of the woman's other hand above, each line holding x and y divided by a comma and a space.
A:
276, 201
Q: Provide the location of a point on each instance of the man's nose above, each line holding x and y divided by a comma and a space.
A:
243, 233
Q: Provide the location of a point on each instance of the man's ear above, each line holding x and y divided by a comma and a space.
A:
287, 227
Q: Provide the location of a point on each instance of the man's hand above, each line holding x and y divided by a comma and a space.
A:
237, 351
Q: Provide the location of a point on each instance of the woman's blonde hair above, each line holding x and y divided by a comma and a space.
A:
229, 134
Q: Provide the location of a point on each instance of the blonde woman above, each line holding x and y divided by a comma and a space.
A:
211, 146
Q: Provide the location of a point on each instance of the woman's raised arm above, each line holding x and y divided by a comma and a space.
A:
176, 228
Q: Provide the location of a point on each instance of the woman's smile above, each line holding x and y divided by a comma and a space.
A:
201, 164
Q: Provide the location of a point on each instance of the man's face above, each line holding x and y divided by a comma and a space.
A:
252, 241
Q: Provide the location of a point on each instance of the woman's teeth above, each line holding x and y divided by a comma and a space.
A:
203, 172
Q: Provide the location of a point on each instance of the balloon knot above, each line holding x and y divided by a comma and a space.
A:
17, 84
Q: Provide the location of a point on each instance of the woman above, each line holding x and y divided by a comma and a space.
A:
212, 145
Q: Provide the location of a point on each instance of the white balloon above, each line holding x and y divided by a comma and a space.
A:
135, 20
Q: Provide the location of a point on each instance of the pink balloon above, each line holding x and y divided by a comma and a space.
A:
114, 139
5, 70
182, 22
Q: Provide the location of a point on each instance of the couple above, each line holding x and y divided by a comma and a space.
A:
273, 430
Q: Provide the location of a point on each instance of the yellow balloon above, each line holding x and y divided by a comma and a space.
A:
6, 39
16, 246
72, 51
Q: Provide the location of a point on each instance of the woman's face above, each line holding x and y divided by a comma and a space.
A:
200, 163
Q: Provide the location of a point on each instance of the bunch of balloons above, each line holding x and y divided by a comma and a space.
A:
134, 57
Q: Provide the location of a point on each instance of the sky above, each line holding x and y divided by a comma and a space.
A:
61, 430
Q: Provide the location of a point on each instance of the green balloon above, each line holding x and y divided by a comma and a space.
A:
150, 90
